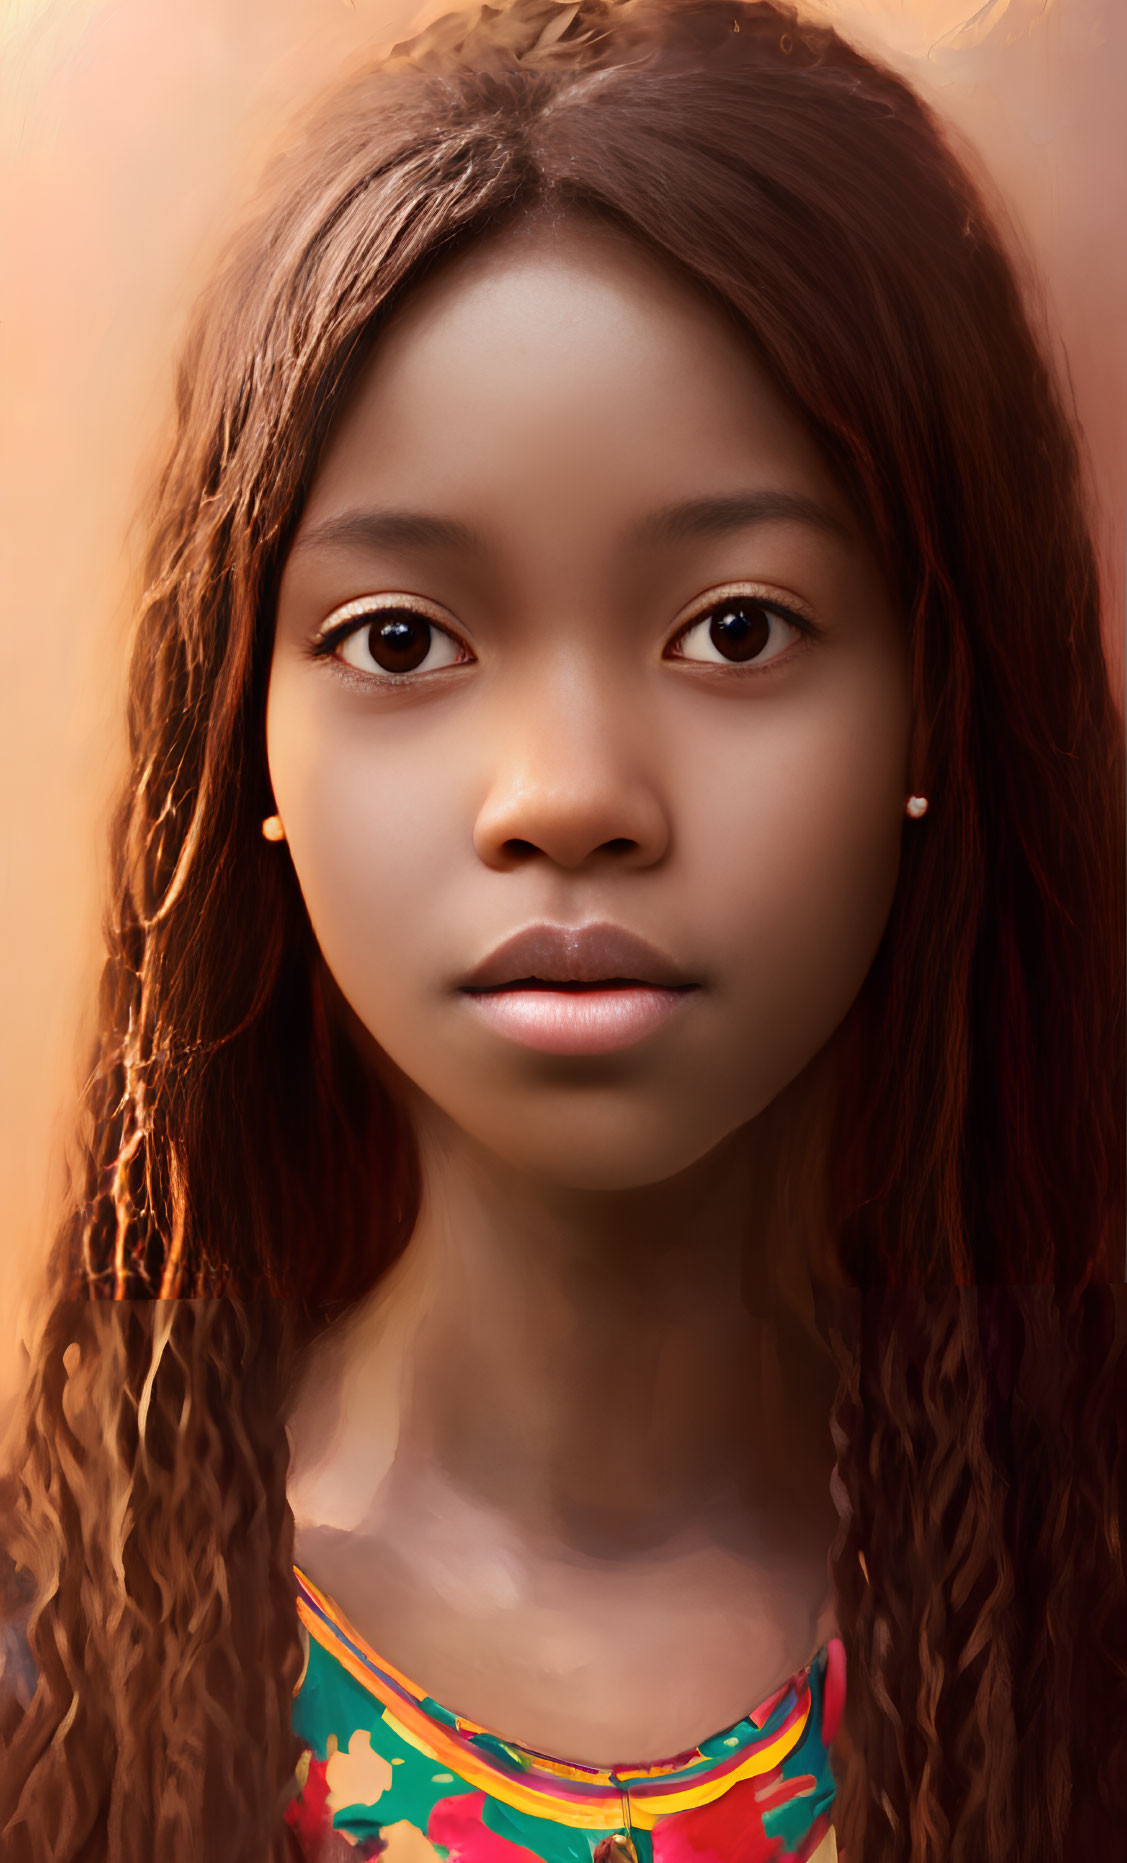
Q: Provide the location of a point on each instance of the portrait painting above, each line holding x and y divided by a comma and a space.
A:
564, 1254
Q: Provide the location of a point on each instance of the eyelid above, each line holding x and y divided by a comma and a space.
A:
336, 625
787, 605
789, 609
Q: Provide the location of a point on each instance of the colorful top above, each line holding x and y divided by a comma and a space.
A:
388, 1772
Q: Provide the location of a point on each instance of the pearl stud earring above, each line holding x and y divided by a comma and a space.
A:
272, 828
917, 806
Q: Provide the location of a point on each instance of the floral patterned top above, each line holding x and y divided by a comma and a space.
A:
388, 1772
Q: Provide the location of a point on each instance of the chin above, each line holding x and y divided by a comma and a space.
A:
600, 1152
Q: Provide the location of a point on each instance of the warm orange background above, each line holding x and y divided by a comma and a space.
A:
130, 130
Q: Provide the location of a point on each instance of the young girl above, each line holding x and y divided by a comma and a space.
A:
603, 1161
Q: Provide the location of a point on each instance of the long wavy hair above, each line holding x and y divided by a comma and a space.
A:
975, 1159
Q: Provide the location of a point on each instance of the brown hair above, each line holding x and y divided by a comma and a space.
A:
976, 1164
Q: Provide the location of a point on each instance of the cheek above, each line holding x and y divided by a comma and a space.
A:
371, 883
370, 837
809, 870
806, 909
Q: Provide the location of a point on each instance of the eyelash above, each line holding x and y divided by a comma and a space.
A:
326, 644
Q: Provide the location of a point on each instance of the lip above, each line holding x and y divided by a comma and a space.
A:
598, 952
577, 989
591, 1019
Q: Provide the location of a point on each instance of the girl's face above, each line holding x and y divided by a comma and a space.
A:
578, 630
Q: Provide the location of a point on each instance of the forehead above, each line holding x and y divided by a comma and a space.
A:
563, 365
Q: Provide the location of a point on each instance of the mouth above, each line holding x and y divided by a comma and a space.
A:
569, 986
563, 956
589, 989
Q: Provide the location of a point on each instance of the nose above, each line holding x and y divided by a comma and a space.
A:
570, 782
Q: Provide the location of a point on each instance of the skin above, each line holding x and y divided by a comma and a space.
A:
570, 1447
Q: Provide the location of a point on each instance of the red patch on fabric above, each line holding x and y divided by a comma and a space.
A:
762, 1714
458, 1823
729, 1830
773, 1790
309, 1812
833, 1689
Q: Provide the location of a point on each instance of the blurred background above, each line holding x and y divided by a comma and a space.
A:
131, 132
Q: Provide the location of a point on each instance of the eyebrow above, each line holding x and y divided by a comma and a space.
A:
711, 517
695, 517
389, 529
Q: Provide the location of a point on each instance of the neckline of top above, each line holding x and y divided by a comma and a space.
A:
779, 1719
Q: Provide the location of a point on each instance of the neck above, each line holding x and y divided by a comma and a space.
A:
598, 1366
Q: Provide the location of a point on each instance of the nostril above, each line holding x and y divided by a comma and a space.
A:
523, 850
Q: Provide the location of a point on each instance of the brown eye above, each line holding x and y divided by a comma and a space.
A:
397, 640
737, 630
